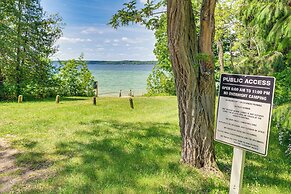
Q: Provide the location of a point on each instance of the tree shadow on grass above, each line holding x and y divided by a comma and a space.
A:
269, 170
259, 170
18, 168
129, 157
30, 160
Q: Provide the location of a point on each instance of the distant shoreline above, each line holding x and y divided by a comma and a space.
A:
127, 62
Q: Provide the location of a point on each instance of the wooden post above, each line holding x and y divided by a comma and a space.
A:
120, 94
20, 99
237, 171
129, 94
58, 99
94, 100
131, 103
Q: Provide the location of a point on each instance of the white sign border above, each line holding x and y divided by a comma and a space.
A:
270, 116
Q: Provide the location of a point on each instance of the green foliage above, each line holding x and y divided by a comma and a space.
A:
75, 78
283, 89
267, 64
281, 119
225, 34
161, 80
132, 14
255, 37
225, 20
271, 21
28, 36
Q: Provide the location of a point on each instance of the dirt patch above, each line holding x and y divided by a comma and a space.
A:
11, 174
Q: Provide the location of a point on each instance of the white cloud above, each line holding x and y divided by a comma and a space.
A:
124, 38
73, 40
107, 41
135, 42
144, 1
89, 49
100, 49
139, 48
92, 30
132, 41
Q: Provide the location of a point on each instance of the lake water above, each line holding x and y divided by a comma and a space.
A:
115, 77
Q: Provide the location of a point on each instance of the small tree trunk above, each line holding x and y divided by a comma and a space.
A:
194, 79
1, 80
94, 100
220, 55
131, 103
231, 54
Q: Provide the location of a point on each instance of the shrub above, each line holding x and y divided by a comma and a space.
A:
281, 119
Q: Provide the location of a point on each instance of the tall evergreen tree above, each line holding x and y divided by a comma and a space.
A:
28, 35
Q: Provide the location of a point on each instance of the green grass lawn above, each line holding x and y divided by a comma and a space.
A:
110, 148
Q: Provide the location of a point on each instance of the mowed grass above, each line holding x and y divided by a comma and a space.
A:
110, 148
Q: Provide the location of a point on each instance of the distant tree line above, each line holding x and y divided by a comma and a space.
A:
127, 62
27, 39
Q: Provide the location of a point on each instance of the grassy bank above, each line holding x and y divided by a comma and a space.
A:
110, 148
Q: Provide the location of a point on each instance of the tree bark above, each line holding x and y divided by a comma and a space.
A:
194, 78
231, 55
220, 55
1, 81
18, 52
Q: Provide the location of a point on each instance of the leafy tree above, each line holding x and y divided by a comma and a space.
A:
192, 63
263, 42
75, 78
270, 19
161, 80
28, 35
225, 34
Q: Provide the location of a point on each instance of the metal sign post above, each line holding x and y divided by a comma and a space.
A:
237, 171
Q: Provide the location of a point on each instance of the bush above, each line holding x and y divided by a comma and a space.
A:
160, 82
75, 78
283, 89
282, 121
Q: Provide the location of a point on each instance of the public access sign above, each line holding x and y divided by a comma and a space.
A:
244, 111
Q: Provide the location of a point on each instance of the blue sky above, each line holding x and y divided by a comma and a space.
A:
86, 31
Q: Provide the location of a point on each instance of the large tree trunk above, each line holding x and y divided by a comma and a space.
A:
194, 77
